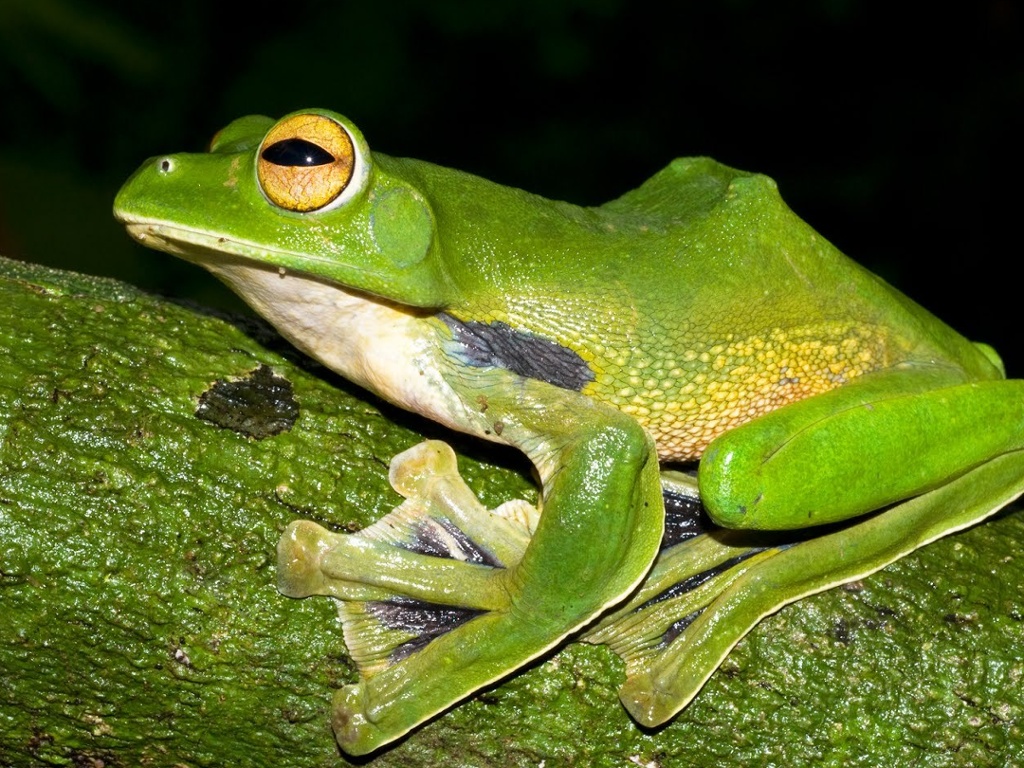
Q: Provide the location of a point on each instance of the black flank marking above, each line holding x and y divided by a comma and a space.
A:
424, 620
500, 345
691, 583
676, 628
428, 542
685, 517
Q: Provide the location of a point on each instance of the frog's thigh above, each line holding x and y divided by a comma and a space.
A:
858, 448
599, 533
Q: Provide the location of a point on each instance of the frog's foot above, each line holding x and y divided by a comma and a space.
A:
416, 574
705, 593
691, 581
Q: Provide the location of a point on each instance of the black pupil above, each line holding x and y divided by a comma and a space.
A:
292, 152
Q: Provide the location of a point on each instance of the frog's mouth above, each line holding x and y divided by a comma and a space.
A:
257, 274
207, 249
414, 284
170, 240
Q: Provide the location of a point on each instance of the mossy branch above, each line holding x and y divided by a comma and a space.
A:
141, 624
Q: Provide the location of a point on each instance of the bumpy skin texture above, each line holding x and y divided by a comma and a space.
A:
142, 627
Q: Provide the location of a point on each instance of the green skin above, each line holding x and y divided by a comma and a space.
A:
655, 301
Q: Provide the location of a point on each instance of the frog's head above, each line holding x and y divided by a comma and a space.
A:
301, 194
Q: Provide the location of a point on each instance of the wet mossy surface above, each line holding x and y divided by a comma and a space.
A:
141, 625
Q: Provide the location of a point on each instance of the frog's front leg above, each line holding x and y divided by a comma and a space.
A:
599, 532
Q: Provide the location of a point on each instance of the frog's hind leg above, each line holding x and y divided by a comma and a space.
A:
417, 573
691, 582
706, 592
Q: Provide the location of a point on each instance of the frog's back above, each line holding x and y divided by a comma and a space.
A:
745, 308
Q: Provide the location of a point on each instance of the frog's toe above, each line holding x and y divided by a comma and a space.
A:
358, 726
676, 630
349, 721
437, 543
298, 559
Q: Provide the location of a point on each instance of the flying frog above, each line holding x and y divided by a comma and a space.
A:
837, 424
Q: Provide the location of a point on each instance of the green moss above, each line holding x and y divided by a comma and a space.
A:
141, 625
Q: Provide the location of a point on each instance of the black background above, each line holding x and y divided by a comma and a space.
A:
893, 128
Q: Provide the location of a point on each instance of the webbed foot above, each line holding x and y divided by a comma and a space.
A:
704, 594
418, 572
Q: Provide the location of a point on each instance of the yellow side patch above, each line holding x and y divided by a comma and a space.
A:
686, 399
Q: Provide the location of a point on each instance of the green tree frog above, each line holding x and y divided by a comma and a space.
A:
837, 424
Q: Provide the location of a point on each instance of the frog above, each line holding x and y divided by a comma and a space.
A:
723, 412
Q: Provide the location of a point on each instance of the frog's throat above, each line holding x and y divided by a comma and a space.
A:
385, 348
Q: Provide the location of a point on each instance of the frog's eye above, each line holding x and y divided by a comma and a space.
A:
306, 162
